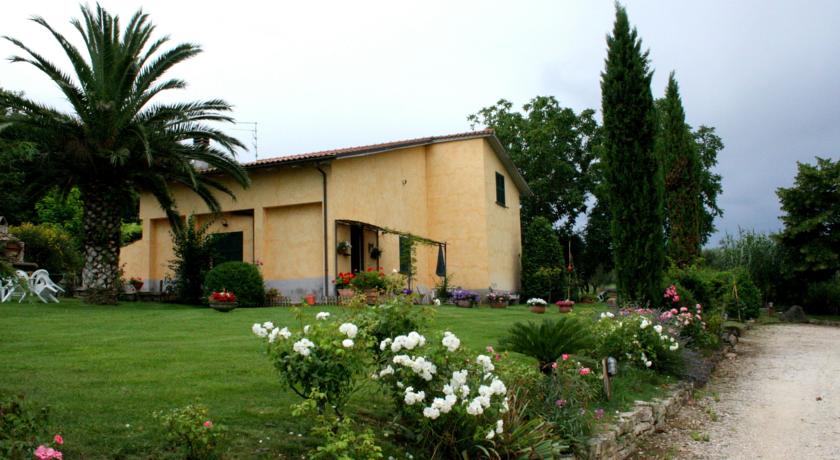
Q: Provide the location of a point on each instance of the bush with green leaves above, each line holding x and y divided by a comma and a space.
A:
194, 250
190, 431
541, 250
638, 339
759, 254
449, 401
396, 316
823, 298
738, 295
49, 246
325, 358
130, 232
568, 393
243, 279
340, 437
549, 339
21, 427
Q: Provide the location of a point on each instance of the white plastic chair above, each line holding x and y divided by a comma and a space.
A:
17, 286
41, 284
7, 288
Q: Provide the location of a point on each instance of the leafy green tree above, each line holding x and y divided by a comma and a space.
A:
632, 175
554, 149
65, 211
708, 145
681, 167
811, 233
541, 253
597, 260
759, 254
117, 139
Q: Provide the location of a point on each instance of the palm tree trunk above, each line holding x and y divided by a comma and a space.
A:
101, 243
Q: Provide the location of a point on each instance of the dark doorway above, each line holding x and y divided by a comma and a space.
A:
227, 247
357, 249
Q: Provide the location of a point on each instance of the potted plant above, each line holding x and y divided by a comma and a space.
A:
342, 284
136, 283
464, 298
537, 305
375, 253
223, 301
498, 299
565, 306
344, 248
371, 282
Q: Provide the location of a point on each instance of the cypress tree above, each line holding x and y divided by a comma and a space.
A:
633, 176
677, 151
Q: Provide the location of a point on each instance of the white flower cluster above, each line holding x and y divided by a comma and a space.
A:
420, 365
303, 346
440, 406
323, 315
450, 341
645, 323
658, 328
411, 397
349, 329
500, 427
409, 342
607, 315
485, 392
267, 329
646, 361
536, 301
347, 343
485, 362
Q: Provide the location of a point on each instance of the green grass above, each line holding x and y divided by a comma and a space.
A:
104, 370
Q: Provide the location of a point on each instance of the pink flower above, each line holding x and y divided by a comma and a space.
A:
564, 356
699, 307
47, 453
674, 311
683, 309
208, 424
676, 298
554, 365
490, 349
58, 439
599, 413
498, 357
560, 402
585, 371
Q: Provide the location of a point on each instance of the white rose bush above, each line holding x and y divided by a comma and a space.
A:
637, 337
449, 400
320, 358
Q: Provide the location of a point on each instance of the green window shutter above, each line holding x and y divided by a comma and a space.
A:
405, 255
500, 189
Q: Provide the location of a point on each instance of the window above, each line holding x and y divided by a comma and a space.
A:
405, 255
227, 247
500, 190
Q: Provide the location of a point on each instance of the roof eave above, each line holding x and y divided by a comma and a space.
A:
511, 168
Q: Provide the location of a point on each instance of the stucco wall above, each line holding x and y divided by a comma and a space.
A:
503, 239
457, 209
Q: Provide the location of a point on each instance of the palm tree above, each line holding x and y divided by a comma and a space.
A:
116, 141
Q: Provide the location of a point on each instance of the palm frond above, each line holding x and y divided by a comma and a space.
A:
547, 340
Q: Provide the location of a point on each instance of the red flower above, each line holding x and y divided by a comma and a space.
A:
58, 439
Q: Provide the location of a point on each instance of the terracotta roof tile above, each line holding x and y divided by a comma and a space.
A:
372, 148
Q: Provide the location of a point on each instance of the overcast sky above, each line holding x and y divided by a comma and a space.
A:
317, 75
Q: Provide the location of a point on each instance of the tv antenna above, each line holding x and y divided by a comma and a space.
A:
253, 131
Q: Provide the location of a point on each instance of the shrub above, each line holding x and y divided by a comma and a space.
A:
193, 249
130, 232
442, 288
567, 395
740, 298
21, 427
547, 340
369, 279
450, 402
323, 361
243, 279
541, 249
638, 340
823, 298
191, 432
396, 316
49, 246
759, 254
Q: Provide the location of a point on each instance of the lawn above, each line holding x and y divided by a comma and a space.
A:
103, 370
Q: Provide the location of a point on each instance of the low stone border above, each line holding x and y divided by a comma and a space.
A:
620, 441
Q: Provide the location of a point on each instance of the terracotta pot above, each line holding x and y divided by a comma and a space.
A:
310, 299
502, 304
137, 286
345, 292
565, 306
538, 309
464, 303
223, 307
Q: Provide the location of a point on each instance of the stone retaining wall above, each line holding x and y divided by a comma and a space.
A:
620, 441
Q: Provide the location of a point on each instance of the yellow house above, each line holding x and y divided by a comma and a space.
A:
456, 195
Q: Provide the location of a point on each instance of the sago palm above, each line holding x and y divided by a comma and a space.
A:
548, 340
117, 140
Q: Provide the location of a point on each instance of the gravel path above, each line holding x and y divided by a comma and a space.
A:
777, 397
